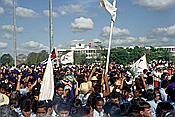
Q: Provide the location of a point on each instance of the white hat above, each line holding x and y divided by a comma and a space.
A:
4, 100
94, 78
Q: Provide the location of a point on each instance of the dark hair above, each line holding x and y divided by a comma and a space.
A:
62, 107
26, 104
162, 108
114, 95
59, 86
143, 105
41, 104
164, 83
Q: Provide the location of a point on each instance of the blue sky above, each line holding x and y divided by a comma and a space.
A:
139, 22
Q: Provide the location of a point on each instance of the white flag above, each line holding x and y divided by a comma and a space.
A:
140, 65
110, 8
47, 85
67, 58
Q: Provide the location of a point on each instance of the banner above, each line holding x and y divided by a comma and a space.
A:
67, 58
140, 65
47, 85
110, 8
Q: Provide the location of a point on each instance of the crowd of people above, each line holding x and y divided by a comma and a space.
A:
86, 91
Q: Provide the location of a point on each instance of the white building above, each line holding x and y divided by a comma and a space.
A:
168, 48
81, 48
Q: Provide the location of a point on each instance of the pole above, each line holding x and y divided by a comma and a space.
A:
109, 46
50, 25
110, 36
14, 31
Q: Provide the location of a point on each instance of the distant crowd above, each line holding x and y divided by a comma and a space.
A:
86, 91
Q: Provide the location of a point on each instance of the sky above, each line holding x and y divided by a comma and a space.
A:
138, 23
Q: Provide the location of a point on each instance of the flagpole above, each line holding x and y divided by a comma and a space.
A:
14, 31
110, 38
109, 46
50, 25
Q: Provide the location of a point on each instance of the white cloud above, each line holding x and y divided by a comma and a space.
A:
33, 45
155, 4
82, 24
3, 45
8, 2
46, 13
6, 36
117, 32
9, 28
72, 8
1, 11
78, 40
165, 31
25, 12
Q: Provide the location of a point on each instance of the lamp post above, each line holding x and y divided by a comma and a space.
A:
14, 31
50, 25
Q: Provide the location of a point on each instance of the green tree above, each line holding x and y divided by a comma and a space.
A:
7, 59
32, 58
36, 58
79, 58
43, 55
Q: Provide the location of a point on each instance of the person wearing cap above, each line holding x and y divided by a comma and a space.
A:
94, 81
154, 102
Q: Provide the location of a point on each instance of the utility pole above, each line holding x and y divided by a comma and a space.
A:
14, 31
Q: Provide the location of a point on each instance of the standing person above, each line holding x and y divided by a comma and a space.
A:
63, 110
41, 109
144, 109
154, 102
164, 86
98, 107
26, 108
59, 92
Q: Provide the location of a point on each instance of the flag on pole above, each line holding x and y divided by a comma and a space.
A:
140, 65
47, 86
67, 58
110, 8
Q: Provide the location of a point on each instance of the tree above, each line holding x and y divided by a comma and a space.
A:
21, 59
79, 58
36, 58
7, 59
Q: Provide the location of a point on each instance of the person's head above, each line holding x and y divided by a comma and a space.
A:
94, 81
25, 107
59, 89
126, 91
115, 98
99, 103
144, 109
163, 108
86, 111
41, 109
164, 84
49, 108
157, 97
63, 110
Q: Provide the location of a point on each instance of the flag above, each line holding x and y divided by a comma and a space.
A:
90, 44
53, 54
67, 58
139, 65
47, 86
110, 8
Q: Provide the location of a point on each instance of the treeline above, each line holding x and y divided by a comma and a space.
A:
118, 55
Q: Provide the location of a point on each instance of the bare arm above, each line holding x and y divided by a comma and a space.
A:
18, 83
